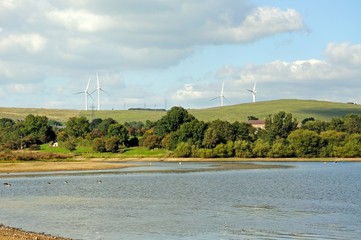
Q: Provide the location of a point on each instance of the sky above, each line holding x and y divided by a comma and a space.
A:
161, 53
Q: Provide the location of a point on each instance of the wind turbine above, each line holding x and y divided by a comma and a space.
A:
98, 90
253, 91
86, 94
221, 96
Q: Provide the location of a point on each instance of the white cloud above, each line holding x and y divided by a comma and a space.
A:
344, 53
80, 20
31, 42
335, 78
262, 22
187, 93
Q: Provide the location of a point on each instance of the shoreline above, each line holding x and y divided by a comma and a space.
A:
94, 164
10, 233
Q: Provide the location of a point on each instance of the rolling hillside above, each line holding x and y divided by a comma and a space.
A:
299, 108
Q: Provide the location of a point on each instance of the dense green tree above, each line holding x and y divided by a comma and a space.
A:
242, 131
105, 124
183, 149
316, 126
280, 125
261, 148
242, 149
192, 132
352, 123
304, 143
330, 141
351, 148
77, 127
218, 132
37, 129
280, 149
119, 131
172, 121
95, 123
6, 123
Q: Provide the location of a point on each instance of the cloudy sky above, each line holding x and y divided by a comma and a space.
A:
160, 53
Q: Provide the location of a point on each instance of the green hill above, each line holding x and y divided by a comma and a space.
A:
299, 108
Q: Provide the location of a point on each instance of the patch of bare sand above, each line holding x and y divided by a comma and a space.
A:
10, 233
58, 166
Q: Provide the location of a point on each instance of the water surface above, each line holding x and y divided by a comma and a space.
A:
310, 201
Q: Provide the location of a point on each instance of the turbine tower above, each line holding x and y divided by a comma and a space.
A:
99, 88
253, 91
221, 96
86, 94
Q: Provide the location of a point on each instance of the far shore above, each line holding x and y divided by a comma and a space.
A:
82, 164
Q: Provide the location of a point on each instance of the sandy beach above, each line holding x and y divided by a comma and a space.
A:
10, 233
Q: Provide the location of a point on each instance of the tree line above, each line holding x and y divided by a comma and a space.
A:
186, 136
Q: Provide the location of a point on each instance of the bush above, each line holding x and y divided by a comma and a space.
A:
99, 145
112, 144
70, 145
183, 149
151, 141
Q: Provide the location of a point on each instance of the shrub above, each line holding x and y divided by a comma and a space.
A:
183, 149
99, 145
112, 144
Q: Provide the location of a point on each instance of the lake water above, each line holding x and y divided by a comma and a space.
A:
309, 201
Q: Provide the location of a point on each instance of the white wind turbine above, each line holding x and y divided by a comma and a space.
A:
221, 96
98, 91
253, 91
86, 94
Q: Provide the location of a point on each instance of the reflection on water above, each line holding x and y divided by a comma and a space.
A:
312, 201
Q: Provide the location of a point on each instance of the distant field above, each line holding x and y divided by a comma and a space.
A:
61, 115
299, 108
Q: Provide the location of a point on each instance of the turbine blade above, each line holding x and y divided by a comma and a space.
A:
87, 86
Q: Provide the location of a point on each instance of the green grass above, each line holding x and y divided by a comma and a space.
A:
61, 115
300, 109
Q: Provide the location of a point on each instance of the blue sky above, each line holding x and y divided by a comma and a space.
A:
164, 53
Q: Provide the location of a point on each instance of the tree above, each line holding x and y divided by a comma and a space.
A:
304, 143
192, 132
218, 132
119, 131
183, 149
99, 145
37, 129
112, 144
352, 123
330, 142
77, 127
172, 121
242, 149
242, 131
316, 126
280, 125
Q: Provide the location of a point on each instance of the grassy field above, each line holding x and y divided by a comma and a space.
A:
61, 115
299, 108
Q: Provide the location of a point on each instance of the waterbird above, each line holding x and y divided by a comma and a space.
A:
99, 181
7, 184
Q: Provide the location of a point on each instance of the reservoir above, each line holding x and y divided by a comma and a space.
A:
307, 201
